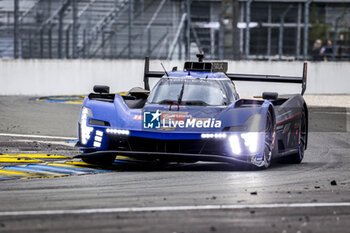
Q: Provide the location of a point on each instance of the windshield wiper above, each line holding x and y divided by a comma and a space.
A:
179, 98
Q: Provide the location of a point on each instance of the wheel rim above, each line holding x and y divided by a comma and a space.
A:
268, 140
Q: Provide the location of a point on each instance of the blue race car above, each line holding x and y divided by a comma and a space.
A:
195, 115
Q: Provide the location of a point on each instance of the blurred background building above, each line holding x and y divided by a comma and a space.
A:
176, 29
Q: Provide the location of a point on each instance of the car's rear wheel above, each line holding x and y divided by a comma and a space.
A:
302, 134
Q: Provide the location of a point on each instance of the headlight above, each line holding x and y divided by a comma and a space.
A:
118, 131
251, 141
213, 135
235, 144
85, 131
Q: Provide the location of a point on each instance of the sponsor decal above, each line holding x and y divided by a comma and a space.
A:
137, 117
170, 120
256, 159
151, 120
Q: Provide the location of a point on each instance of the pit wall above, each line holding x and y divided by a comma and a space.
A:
67, 77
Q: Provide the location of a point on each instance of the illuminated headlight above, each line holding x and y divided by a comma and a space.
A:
118, 131
251, 141
235, 144
213, 135
85, 131
98, 138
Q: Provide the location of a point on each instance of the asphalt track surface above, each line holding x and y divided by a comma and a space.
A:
311, 197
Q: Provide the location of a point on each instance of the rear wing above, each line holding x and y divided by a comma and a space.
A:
213, 67
273, 78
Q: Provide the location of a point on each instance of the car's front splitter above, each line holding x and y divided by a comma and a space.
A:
174, 157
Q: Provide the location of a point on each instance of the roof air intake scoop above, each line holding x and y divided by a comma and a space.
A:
200, 57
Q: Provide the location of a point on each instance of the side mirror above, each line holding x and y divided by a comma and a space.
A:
101, 89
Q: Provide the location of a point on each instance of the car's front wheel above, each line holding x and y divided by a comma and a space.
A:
269, 139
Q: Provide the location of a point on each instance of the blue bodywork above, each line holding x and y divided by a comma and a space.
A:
236, 119
219, 126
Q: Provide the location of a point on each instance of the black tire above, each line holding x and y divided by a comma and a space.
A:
298, 157
269, 137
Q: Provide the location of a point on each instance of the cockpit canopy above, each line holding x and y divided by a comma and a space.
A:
193, 91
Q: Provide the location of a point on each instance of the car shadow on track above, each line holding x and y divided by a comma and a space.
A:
199, 166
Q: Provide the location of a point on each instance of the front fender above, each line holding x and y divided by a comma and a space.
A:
247, 116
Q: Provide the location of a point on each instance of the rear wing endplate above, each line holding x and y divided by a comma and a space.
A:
150, 74
237, 77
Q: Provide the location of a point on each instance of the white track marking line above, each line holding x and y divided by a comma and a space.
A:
173, 208
35, 136
72, 144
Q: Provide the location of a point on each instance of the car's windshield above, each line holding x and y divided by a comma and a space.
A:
188, 92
